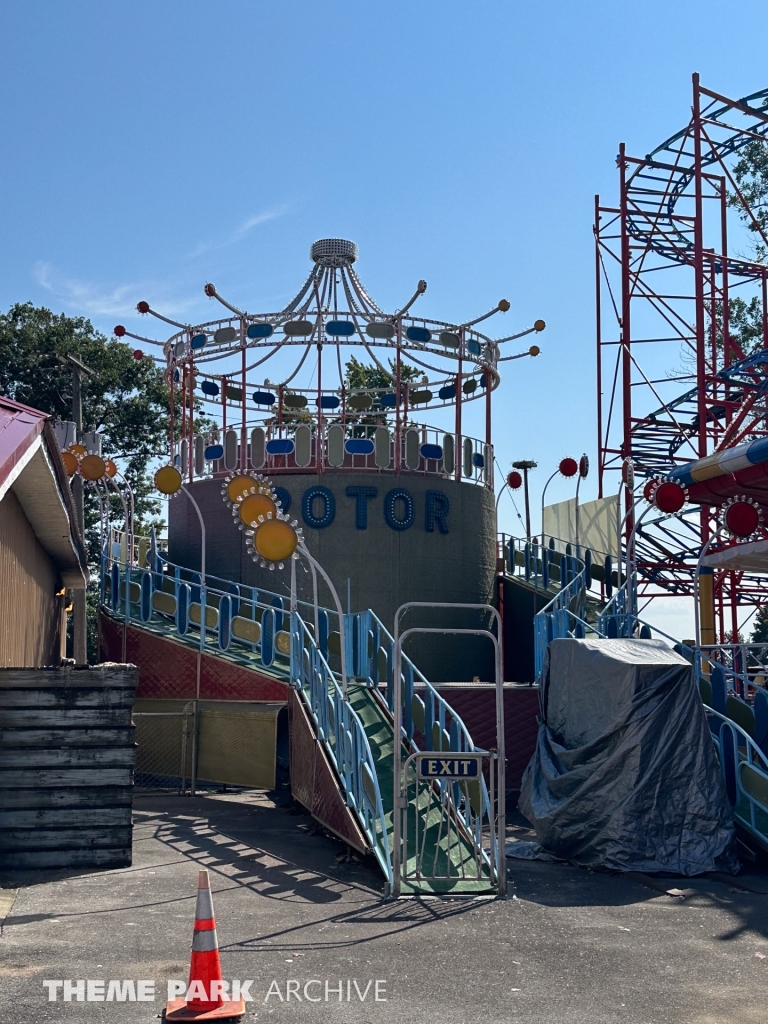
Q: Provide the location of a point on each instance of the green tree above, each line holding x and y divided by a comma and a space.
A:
751, 174
127, 402
760, 628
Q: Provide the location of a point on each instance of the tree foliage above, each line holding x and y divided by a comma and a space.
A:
127, 402
751, 174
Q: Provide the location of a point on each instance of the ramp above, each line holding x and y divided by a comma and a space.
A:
434, 837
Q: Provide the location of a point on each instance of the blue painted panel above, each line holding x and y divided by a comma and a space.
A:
214, 451
431, 451
359, 446
329, 402
388, 401
263, 398
447, 392
225, 623
473, 347
198, 341
418, 334
267, 637
280, 446
260, 330
343, 328
182, 609
478, 460
146, 596
323, 630
209, 387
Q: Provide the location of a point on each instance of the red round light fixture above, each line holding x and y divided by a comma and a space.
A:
742, 518
669, 497
143, 307
119, 331
568, 467
514, 480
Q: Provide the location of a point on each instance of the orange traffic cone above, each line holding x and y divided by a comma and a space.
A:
206, 990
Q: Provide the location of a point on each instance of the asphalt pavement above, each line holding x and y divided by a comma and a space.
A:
309, 928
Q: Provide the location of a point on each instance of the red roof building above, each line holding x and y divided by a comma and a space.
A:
41, 551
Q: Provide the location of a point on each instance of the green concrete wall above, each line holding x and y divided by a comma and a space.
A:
385, 567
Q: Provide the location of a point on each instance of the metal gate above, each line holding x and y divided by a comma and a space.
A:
164, 748
449, 824
448, 819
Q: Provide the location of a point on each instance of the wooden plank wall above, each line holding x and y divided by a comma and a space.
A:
67, 755
30, 611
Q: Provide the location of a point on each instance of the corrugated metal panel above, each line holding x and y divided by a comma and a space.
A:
29, 608
66, 767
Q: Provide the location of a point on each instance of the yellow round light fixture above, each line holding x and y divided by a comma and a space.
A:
256, 505
93, 467
275, 540
239, 487
168, 480
70, 463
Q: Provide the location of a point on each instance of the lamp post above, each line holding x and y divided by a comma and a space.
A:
566, 468
79, 609
583, 473
525, 465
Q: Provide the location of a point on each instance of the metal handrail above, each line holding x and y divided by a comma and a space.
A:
755, 759
339, 729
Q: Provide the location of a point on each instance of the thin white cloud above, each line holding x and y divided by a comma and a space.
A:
95, 300
240, 232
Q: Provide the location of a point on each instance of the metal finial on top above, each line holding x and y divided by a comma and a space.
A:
334, 252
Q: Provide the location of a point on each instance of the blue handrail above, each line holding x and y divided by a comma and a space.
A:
343, 736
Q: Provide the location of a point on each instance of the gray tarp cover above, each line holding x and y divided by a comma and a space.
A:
625, 774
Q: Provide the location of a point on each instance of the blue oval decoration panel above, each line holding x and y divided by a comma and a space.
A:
263, 398
329, 402
473, 347
431, 451
418, 334
478, 460
280, 446
198, 341
449, 391
343, 328
214, 451
388, 401
209, 387
359, 446
260, 330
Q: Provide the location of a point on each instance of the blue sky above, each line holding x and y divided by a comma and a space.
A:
150, 147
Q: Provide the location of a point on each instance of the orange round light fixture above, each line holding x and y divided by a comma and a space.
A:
79, 450
239, 487
256, 505
70, 463
93, 467
110, 467
168, 480
275, 540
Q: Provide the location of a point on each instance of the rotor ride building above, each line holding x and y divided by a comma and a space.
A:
394, 509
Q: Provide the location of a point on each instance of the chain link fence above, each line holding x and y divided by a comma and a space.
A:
164, 754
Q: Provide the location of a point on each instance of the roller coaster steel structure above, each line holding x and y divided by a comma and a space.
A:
664, 274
